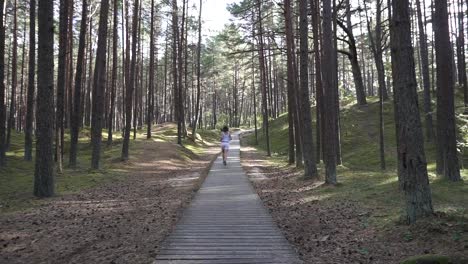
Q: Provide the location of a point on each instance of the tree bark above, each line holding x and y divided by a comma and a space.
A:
115, 41
44, 165
308, 152
77, 111
197, 107
130, 86
28, 132
151, 76
263, 78
14, 77
412, 166
330, 116
446, 130
99, 86
425, 74
2, 87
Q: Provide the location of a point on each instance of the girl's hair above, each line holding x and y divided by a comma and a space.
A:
225, 129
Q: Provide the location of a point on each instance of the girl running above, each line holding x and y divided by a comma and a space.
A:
225, 139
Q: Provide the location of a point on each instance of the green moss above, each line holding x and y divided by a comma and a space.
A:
360, 176
16, 179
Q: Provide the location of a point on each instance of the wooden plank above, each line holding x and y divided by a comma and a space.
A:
226, 223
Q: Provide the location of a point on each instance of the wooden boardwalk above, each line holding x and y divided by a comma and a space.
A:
226, 223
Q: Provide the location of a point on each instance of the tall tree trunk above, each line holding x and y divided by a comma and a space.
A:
44, 165
329, 91
197, 108
77, 111
425, 74
412, 170
315, 6
263, 78
291, 81
461, 54
377, 51
99, 86
176, 71
130, 86
151, 76
446, 129
14, 76
310, 166
62, 61
28, 133
2, 87
115, 41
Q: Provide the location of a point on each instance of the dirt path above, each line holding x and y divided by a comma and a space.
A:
121, 222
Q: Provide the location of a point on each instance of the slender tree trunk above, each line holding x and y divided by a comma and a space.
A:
28, 133
310, 166
197, 108
14, 77
315, 6
425, 74
130, 87
412, 170
330, 116
461, 57
99, 86
446, 129
77, 111
44, 165
115, 41
61, 82
2, 87
151, 76
263, 78
290, 81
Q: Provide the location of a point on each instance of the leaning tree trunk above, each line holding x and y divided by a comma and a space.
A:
446, 128
28, 132
412, 170
99, 86
76, 113
308, 151
44, 166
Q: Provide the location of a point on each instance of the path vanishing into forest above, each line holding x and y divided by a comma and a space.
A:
227, 223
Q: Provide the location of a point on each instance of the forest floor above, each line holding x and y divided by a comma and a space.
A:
361, 219
119, 221
331, 225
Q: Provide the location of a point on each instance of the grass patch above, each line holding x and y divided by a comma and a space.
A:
360, 176
17, 178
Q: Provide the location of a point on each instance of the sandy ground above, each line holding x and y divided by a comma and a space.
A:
338, 231
121, 222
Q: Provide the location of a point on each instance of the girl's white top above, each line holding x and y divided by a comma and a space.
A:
225, 137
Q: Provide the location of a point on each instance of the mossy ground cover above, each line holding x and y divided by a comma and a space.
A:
17, 178
360, 177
